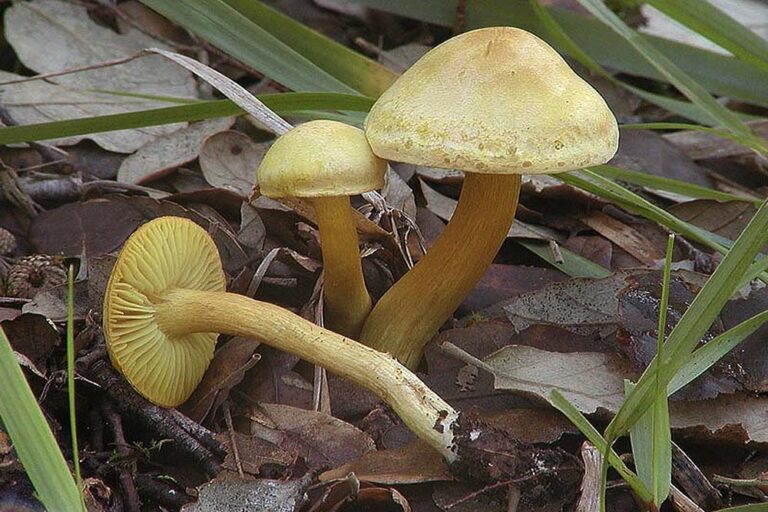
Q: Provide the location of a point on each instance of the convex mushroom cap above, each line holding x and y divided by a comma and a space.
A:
321, 159
163, 255
493, 100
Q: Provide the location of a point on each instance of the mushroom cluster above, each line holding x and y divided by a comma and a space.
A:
494, 103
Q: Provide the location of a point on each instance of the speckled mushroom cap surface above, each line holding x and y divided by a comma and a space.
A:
164, 254
320, 159
494, 100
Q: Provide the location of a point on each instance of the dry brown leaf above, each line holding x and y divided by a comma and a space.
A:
326, 441
72, 39
235, 495
412, 464
589, 380
164, 154
229, 364
229, 160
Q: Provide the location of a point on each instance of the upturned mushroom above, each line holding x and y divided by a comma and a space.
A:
326, 162
165, 303
495, 103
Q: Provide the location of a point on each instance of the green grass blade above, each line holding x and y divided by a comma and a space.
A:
708, 21
284, 103
704, 357
668, 184
572, 264
718, 73
575, 416
592, 182
346, 65
71, 374
32, 437
694, 323
564, 42
237, 36
687, 85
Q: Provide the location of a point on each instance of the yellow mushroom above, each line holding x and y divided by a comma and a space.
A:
166, 303
495, 103
327, 161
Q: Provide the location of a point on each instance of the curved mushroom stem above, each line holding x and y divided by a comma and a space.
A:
412, 311
347, 301
182, 311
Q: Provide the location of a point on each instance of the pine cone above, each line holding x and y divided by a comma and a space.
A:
7, 242
32, 274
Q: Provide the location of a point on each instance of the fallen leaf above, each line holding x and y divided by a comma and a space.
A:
164, 154
229, 159
647, 151
414, 463
325, 440
399, 195
726, 219
235, 495
584, 306
700, 145
589, 380
73, 40
229, 364
252, 232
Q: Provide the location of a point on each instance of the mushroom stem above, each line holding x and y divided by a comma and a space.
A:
346, 299
184, 311
412, 311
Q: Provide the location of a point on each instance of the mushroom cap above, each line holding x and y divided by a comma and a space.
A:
320, 159
495, 100
164, 254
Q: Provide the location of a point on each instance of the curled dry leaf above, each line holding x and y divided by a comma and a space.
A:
229, 160
324, 441
164, 154
229, 364
72, 39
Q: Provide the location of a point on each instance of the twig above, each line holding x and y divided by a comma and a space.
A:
132, 502
158, 420
69, 71
690, 478
589, 501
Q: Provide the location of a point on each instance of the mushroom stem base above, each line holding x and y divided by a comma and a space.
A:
412, 311
184, 311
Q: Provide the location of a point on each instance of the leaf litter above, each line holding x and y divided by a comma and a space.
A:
528, 328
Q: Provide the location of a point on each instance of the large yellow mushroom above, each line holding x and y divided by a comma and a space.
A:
495, 103
326, 162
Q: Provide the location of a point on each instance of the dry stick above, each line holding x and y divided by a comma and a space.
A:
693, 482
155, 418
590, 484
132, 503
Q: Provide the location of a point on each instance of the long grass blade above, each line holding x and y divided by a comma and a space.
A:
285, 103
694, 323
32, 437
687, 85
718, 73
237, 36
71, 374
668, 184
708, 21
346, 65
593, 436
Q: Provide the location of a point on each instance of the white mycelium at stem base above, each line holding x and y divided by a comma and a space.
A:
495, 103
165, 305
